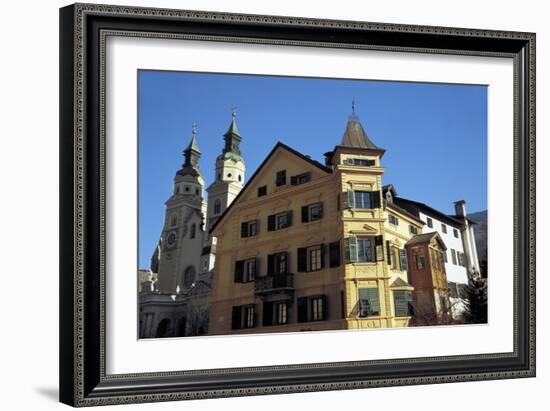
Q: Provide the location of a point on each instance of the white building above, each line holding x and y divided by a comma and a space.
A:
456, 231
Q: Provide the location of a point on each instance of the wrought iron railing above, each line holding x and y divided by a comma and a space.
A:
274, 283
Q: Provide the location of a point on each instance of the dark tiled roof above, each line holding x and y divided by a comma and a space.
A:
272, 152
415, 207
355, 136
459, 218
406, 212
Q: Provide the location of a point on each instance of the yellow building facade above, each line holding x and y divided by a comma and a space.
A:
307, 246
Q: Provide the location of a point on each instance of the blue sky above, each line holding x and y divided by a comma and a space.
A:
435, 135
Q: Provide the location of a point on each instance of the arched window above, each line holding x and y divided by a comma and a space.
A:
240, 178
174, 220
217, 206
193, 231
196, 191
189, 276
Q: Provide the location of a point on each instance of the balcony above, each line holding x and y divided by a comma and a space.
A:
279, 283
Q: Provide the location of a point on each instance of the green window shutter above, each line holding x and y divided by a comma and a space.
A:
351, 249
302, 260
236, 318
267, 316
378, 242
374, 300
302, 306
326, 311
244, 230
375, 199
334, 254
271, 222
401, 303
403, 260
305, 214
239, 270
351, 199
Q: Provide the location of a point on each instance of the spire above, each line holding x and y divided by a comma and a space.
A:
192, 155
355, 135
232, 138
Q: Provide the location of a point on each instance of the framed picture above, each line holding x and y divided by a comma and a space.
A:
262, 204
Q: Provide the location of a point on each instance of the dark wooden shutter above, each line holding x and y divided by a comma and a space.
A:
342, 304
302, 260
271, 222
289, 217
334, 254
236, 318
320, 210
326, 311
305, 214
270, 264
302, 306
403, 260
388, 251
267, 315
280, 179
375, 199
323, 253
293, 180
351, 248
244, 230
239, 270
257, 267
379, 244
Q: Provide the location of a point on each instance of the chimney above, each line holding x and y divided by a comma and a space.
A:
460, 208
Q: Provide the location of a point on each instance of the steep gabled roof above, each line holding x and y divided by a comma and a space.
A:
415, 207
423, 238
355, 135
261, 166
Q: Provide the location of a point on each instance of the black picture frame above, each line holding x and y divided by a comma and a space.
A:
83, 381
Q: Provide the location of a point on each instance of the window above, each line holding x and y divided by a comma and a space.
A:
243, 316
445, 256
280, 179
444, 228
413, 229
311, 258
369, 302
279, 221
229, 175
245, 270
461, 259
193, 231
262, 191
188, 276
430, 222
300, 179
418, 258
312, 212
455, 232
364, 249
362, 162
275, 313
174, 220
362, 199
217, 206
393, 219
196, 191
249, 228
240, 178
402, 302
277, 263
313, 308
453, 256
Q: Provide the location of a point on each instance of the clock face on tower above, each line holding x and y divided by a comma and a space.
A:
171, 239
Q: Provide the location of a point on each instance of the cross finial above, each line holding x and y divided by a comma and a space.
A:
194, 128
353, 106
234, 111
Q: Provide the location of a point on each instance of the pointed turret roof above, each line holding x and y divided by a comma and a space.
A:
193, 145
355, 135
233, 130
192, 155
